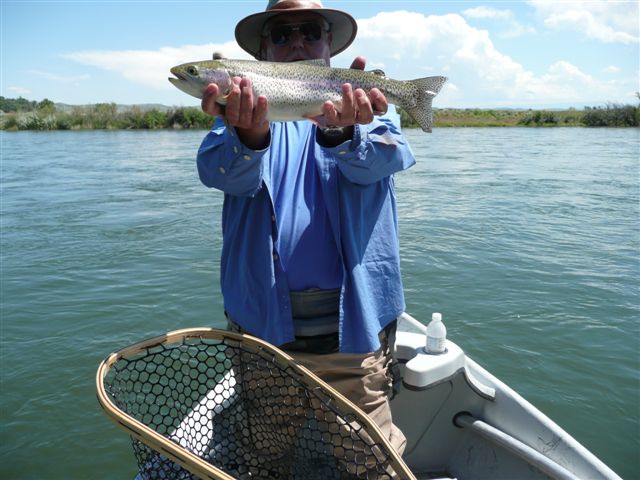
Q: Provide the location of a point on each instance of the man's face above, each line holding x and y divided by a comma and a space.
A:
294, 36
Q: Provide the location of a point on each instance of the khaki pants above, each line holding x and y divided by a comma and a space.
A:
364, 379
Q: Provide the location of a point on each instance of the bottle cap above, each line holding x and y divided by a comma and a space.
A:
436, 317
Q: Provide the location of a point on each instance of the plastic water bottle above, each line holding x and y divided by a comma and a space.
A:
436, 334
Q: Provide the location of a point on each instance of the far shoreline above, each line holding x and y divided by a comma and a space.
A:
21, 114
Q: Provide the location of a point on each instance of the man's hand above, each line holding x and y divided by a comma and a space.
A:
244, 112
357, 106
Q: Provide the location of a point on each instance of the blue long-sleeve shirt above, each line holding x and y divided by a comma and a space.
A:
358, 191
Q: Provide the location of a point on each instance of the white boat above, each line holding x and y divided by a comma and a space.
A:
463, 423
460, 421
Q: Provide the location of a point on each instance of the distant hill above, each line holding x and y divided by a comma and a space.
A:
145, 107
9, 105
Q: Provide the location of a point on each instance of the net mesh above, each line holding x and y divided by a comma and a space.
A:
244, 411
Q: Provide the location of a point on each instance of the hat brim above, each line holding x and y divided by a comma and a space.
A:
343, 28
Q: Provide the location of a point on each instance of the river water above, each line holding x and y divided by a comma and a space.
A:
527, 240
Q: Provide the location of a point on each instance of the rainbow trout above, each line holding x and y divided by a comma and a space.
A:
298, 90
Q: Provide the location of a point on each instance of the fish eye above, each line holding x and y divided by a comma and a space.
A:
192, 70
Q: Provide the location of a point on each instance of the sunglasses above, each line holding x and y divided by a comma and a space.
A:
281, 34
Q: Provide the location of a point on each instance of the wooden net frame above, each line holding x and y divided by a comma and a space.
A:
208, 403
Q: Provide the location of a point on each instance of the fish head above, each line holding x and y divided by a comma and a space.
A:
193, 78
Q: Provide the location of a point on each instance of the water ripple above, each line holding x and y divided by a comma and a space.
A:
526, 239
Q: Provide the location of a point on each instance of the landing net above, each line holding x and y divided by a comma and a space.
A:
214, 404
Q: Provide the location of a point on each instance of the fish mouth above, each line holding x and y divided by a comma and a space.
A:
184, 82
178, 76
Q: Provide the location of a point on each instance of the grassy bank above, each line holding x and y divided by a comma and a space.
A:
609, 115
21, 114
104, 116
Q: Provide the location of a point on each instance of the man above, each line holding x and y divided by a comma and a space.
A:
310, 256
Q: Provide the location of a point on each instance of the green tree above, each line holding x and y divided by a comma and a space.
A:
154, 119
104, 115
46, 107
16, 105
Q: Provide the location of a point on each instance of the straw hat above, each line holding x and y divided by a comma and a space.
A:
249, 29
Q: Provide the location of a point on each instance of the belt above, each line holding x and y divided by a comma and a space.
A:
315, 312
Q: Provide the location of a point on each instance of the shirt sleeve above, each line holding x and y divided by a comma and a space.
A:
225, 163
376, 151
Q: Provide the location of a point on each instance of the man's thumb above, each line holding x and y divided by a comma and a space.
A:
358, 63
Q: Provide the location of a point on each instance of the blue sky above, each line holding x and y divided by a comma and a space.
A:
528, 54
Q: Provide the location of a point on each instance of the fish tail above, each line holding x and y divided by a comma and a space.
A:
420, 107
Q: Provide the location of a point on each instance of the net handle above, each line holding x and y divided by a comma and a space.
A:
192, 462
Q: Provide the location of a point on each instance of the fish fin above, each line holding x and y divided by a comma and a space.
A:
222, 99
378, 72
317, 120
315, 61
218, 56
425, 90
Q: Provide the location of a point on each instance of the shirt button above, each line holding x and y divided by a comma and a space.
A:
273, 218
275, 257
235, 149
342, 152
222, 170
247, 157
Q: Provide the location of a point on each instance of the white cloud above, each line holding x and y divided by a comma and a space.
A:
408, 42
487, 12
409, 45
512, 27
151, 67
60, 78
567, 80
605, 21
612, 69
19, 90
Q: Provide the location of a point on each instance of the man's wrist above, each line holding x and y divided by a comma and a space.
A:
332, 136
255, 139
